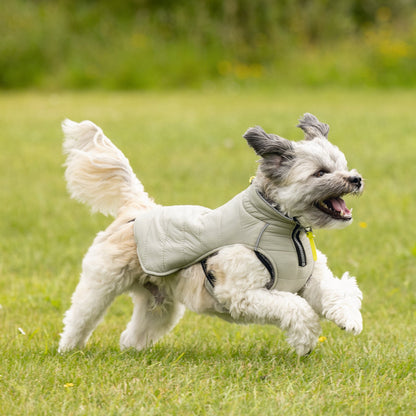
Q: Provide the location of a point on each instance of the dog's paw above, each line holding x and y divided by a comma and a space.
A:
67, 346
129, 339
305, 349
303, 332
348, 319
353, 323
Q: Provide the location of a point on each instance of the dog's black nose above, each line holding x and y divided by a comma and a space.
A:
355, 180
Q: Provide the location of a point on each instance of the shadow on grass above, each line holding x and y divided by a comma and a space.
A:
193, 355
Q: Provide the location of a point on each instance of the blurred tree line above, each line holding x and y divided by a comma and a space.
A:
167, 43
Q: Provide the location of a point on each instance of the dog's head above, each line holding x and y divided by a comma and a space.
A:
308, 179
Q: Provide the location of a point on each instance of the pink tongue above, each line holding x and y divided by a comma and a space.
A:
339, 205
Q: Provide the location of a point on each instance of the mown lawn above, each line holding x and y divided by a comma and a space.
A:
186, 147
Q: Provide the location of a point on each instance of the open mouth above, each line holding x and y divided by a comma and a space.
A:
336, 208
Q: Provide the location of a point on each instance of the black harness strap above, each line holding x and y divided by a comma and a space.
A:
268, 265
209, 275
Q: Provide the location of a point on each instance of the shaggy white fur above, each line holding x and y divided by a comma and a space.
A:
305, 180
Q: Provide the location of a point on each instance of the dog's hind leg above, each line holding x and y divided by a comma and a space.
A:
154, 315
89, 304
105, 275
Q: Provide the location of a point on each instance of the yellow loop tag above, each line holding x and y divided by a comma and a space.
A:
251, 179
309, 234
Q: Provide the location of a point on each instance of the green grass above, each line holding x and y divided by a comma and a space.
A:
186, 147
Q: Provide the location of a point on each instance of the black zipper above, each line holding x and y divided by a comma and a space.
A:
298, 245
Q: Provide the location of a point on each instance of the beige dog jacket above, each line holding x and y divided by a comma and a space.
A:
172, 238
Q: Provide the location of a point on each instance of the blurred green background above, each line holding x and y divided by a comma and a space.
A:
159, 44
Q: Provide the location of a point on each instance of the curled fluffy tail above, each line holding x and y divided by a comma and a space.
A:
98, 173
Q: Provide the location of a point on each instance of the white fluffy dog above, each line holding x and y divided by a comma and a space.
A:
252, 260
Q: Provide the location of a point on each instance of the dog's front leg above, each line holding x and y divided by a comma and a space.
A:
289, 312
338, 300
240, 282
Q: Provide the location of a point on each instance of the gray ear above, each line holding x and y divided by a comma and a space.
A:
267, 144
313, 127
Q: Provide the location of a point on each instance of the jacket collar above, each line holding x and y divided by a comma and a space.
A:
257, 206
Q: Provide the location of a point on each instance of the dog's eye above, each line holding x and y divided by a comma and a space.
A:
320, 173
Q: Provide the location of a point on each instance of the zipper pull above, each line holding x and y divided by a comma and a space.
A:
310, 235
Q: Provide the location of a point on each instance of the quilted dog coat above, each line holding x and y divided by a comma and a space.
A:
174, 237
